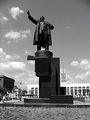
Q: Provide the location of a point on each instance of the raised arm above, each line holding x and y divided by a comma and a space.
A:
31, 18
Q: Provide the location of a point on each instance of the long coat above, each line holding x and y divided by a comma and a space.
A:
42, 33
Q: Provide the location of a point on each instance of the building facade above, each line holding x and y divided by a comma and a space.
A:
77, 89
6, 82
33, 90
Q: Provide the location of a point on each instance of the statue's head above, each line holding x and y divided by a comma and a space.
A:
42, 18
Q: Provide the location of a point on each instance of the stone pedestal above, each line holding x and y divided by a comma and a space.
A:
48, 71
47, 68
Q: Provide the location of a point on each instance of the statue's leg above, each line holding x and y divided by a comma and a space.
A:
38, 47
46, 47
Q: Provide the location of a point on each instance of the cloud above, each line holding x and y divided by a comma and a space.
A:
74, 63
80, 76
17, 36
84, 62
4, 57
31, 62
16, 65
15, 56
27, 52
15, 11
9, 63
12, 35
25, 33
26, 77
18, 70
3, 18
2, 52
83, 76
12, 66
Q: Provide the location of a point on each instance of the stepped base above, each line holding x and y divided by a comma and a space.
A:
36, 100
63, 99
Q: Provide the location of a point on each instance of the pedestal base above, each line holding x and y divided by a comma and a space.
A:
43, 54
61, 99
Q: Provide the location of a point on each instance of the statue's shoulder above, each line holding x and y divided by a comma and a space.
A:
46, 22
49, 24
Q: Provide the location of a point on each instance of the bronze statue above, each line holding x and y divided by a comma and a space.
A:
42, 35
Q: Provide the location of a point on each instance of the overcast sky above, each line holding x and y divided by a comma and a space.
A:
70, 37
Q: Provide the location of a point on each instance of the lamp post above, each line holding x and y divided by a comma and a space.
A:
20, 92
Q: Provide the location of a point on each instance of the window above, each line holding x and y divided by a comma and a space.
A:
36, 91
87, 90
32, 91
79, 90
75, 90
83, 91
71, 90
67, 91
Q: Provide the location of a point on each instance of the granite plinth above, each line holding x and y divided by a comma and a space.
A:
48, 71
47, 68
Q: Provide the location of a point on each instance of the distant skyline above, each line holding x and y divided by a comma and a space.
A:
70, 37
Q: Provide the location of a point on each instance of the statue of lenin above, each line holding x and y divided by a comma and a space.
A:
42, 35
